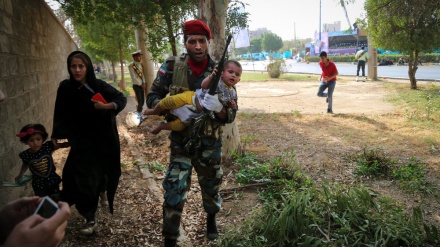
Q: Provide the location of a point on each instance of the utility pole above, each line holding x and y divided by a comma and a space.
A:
320, 26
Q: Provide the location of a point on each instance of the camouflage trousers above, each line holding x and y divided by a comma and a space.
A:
177, 182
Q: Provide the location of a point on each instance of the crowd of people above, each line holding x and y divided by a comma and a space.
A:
85, 121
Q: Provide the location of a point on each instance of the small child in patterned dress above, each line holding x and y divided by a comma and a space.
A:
38, 159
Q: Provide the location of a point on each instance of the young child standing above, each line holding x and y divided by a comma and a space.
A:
38, 159
227, 94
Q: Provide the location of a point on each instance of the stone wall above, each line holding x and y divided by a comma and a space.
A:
33, 50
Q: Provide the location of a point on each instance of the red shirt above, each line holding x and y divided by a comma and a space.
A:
329, 69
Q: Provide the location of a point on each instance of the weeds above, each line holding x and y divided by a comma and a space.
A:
373, 162
412, 177
331, 216
154, 166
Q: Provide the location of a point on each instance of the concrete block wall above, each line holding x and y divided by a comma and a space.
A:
33, 51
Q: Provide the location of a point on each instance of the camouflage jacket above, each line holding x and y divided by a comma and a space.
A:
161, 87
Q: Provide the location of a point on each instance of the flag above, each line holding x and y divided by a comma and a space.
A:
241, 37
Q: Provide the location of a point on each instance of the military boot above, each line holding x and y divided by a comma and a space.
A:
211, 227
170, 242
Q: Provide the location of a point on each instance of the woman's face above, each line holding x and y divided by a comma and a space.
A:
78, 69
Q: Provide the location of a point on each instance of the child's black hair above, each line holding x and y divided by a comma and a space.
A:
234, 62
38, 127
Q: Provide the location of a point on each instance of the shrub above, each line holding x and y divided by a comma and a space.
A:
373, 162
332, 216
276, 68
411, 176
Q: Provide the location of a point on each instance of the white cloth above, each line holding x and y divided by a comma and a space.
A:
185, 113
211, 103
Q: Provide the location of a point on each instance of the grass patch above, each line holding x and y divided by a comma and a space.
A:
332, 215
155, 166
264, 76
422, 106
373, 162
411, 177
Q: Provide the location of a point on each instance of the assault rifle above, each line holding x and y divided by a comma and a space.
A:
198, 123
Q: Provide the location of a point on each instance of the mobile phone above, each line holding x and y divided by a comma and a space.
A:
47, 208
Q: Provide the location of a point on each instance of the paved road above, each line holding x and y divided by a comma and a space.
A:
427, 73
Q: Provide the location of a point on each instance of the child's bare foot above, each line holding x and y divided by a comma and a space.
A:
156, 130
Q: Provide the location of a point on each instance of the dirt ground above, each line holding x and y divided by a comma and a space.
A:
276, 117
286, 97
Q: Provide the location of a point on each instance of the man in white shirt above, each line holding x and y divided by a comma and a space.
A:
362, 57
138, 79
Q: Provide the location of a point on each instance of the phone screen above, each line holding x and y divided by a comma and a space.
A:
47, 208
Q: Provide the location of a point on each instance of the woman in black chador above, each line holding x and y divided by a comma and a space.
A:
90, 127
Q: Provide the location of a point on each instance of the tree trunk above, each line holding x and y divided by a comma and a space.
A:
115, 77
147, 63
121, 61
412, 68
213, 12
346, 14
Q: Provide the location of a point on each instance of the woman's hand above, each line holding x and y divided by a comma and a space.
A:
102, 106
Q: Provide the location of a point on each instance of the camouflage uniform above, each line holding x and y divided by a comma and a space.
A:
206, 160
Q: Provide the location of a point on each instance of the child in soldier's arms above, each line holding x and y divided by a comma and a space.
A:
227, 93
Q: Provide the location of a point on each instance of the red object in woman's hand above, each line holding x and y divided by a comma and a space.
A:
98, 97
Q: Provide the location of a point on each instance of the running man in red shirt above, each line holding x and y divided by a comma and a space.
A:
328, 79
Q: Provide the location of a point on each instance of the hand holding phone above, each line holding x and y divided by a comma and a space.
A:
47, 208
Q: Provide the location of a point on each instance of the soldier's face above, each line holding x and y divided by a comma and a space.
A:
137, 58
197, 47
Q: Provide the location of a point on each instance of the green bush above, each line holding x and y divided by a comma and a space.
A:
411, 176
276, 68
373, 162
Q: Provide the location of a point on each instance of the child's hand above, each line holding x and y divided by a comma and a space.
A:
232, 105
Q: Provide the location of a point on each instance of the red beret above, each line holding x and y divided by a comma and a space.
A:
196, 27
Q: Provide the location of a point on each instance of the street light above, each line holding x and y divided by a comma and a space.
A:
320, 26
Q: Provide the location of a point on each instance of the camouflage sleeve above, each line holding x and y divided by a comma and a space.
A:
230, 115
160, 86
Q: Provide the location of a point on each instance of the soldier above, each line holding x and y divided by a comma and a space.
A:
138, 79
186, 72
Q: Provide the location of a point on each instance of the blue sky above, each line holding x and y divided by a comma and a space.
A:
287, 17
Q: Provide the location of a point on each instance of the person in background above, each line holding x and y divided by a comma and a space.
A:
138, 79
90, 127
362, 57
21, 227
187, 72
328, 79
38, 158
